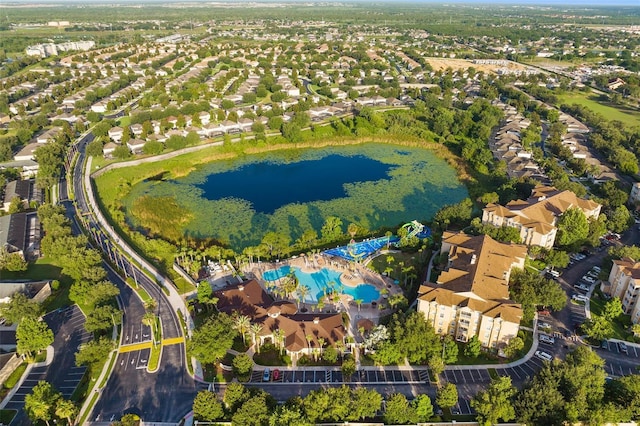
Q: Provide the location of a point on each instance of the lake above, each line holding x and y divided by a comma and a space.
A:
373, 185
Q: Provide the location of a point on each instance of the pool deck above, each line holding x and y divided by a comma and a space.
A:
352, 274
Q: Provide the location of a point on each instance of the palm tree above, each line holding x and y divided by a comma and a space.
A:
309, 338
242, 323
66, 410
321, 342
278, 338
340, 346
359, 303
255, 329
302, 291
149, 319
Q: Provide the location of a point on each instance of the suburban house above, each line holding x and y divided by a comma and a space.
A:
471, 296
537, 217
302, 333
27, 152
25, 190
624, 283
20, 233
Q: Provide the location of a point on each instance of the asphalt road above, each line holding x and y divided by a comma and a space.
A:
165, 395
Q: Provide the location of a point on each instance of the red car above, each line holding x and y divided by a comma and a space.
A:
276, 374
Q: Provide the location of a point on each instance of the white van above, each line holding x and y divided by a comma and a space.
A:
545, 356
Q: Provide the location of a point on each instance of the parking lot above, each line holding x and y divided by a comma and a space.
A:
618, 363
335, 376
68, 327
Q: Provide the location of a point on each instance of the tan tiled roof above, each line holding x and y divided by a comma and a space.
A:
629, 267
252, 300
505, 309
479, 264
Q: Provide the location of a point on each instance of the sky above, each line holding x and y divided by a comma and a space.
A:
558, 3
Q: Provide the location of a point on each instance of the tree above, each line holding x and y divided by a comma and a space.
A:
572, 227
423, 408
20, 306
365, 403
557, 258
473, 346
235, 395
241, 324
94, 149
242, 365
207, 407
495, 403
102, 318
513, 347
254, 412
66, 409
289, 415
210, 342
450, 350
597, 327
619, 219
32, 336
332, 229
348, 369
121, 152
41, 403
612, 309
447, 396
94, 352
330, 355
399, 411
153, 148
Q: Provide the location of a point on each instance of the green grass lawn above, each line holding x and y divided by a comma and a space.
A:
627, 116
40, 270
6, 416
270, 355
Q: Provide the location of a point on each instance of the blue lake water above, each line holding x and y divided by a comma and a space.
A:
323, 280
268, 187
238, 200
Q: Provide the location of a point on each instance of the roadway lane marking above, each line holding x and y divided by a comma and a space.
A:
135, 347
172, 341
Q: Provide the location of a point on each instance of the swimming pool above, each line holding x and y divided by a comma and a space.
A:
320, 282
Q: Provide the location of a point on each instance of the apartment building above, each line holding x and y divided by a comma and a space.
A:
537, 217
471, 296
624, 283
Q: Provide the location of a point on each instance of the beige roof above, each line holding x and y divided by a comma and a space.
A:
541, 209
629, 267
479, 264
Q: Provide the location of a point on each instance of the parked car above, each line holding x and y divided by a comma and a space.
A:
545, 356
580, 297
266, 376
276, 374
546, 339
588, 279
623, 348
582, 287
604, 344
542, 324
544, 312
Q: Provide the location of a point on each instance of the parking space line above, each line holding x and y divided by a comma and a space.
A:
516, 373
635, 351
621, 371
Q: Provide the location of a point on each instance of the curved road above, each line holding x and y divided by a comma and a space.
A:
165, 395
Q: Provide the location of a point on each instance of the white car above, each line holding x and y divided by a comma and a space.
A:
543, 325
580, 297
588, 279
545, 356
547, 339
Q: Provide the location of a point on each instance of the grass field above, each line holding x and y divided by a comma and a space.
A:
628, 117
